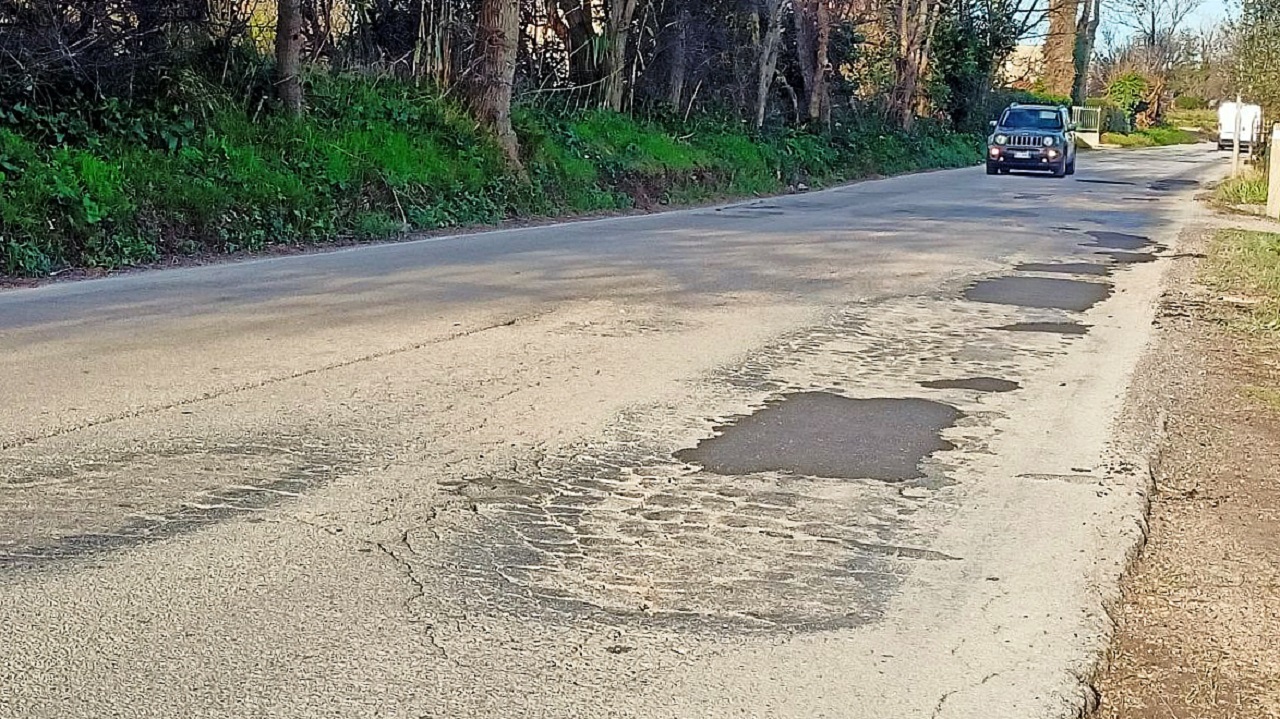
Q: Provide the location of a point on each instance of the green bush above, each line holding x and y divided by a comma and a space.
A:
1128, 92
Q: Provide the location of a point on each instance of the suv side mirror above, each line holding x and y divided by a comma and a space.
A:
1071, 127
993, 124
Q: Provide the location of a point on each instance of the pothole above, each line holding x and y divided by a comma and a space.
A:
1173, 184
818, 434
1066, 268
1106, 182
1062, 328
1041, 292
1128, 258
979, 384
1119, 240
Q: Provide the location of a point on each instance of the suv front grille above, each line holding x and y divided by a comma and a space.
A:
1026, 141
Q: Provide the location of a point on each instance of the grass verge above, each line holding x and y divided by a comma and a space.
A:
1154, 137
1248, 189
1204, 121
1246, 265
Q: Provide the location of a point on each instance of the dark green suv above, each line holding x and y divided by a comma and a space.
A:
1032, 137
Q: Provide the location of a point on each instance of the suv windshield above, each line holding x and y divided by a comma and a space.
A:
1025, 118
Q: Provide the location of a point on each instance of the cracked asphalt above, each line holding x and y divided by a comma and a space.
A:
852, 453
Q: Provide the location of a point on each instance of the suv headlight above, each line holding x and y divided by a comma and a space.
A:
1048, 141
1002, 139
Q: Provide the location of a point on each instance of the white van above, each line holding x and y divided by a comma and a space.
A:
1250, 125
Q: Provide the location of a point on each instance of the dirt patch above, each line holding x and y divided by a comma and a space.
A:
1197, 630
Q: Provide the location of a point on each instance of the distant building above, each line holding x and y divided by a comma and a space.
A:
1024, 67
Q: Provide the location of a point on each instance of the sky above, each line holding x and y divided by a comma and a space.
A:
1210, 11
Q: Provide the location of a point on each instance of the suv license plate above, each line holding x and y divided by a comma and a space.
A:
1022, 155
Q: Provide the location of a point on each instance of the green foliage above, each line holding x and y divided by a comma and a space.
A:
970, 40
1258, 47
1190, 102
1128, 92
84, 187
1041, 97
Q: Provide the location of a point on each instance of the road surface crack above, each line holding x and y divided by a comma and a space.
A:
399, 553
942, 701
257, 384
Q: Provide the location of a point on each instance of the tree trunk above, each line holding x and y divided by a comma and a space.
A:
813, 40
1086, 36
618, 37
806, 18
915, 26
767, 58
288, 52
679, 61
932, 11
571, 21
1060, 48
489, 87
820, 98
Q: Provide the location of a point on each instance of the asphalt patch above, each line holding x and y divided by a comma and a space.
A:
1119, 240
979, 384
819, 434
1066, 268
1041, 292
1062, 328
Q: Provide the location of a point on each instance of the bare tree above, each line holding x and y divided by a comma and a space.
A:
1155, 21
1086, 37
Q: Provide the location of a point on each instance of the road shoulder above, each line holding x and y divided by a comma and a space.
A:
1201, 606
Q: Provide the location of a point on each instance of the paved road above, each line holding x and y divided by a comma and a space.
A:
852, 453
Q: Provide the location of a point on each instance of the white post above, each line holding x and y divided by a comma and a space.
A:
1235, 141
1273, 188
